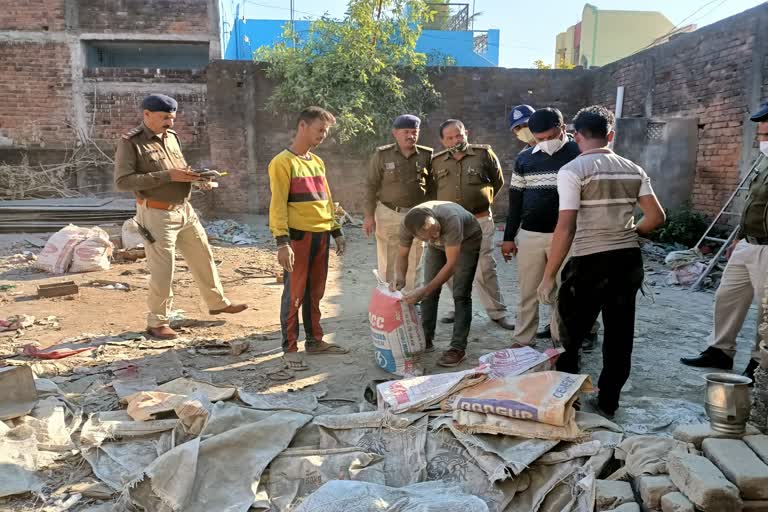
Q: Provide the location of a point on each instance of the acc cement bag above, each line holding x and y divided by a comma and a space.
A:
396, 332
92, 254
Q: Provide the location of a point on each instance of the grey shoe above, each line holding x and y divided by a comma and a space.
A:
449, 318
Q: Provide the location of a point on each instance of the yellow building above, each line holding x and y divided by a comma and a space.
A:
605, 36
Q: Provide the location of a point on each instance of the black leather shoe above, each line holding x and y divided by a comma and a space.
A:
710, 358
749, 371
590, 342
545, 334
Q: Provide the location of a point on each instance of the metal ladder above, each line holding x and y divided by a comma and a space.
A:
725, 211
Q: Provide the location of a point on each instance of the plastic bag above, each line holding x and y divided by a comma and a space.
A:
92, 254
131, 236
422, 392
56, 256
396, 332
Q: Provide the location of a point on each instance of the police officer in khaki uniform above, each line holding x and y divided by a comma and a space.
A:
398, 179
150, 164
744, 277
470, 175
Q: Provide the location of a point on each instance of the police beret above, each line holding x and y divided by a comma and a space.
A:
761, 115
520, 115
406, 121
159, 103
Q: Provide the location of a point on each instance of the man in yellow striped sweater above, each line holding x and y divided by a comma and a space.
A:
301, 218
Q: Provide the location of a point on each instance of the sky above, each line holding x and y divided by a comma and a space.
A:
528, 29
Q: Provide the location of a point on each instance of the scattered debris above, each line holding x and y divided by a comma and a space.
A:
18, 395
105, 284
33, 350
232, 232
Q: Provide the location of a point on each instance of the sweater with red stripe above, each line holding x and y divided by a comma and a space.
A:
301, 198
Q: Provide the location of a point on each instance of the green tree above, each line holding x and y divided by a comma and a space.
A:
539, 64
363, 68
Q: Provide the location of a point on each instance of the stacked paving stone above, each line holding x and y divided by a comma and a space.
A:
730, 475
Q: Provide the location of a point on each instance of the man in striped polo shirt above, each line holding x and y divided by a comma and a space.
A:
599, 191
302, 220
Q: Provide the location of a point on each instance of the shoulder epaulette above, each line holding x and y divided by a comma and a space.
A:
384, 148
171, 131
425, 148
480, 146
133, 132
440, 153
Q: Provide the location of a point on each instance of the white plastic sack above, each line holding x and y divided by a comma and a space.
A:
517, 361
92, 254
131, 236
396, 332
424, 392
56, 256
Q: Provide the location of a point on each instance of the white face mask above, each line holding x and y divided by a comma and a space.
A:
551, 147
764, 147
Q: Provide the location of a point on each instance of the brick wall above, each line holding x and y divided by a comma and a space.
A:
244, 137
38, 15
35, 93
154, 16
706, 75
115, 113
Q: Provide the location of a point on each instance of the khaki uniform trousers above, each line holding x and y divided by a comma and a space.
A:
486, 281
532, 255
743, 280
388, 245
180, 229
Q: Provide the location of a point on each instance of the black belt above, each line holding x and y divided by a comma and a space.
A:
397, 209
756, 240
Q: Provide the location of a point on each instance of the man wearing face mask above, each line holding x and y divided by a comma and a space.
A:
744, 276
398, 179
533, 208
470, 175
518, 124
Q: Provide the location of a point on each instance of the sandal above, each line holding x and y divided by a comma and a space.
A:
294, 361
279, 374
321, 347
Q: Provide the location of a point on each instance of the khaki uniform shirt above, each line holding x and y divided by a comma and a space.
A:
142, 162
473, 181
754, 218
398, 181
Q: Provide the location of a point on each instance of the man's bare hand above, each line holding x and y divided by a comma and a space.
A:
508, 249
369, 225
184, 175
285, 257
415, 296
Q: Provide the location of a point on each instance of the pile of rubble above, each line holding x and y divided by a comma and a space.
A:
699, 469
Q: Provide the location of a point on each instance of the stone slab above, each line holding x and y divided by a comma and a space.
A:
740, 465
676, 502
611, 494
698, 432
759, 445
703, 483
652, 488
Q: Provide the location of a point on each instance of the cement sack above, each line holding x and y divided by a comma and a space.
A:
449, 461
479, 423
345, 496
56, 256
422, 393
544, 397
92, 254
298, 472
398, 337
131, 235
517, 361
400, 439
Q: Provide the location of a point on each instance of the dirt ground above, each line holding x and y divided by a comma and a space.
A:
671, 322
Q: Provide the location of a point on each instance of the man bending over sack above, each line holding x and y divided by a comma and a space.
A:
453, 237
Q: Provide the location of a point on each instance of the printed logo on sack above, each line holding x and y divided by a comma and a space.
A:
508, 408
385, 360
